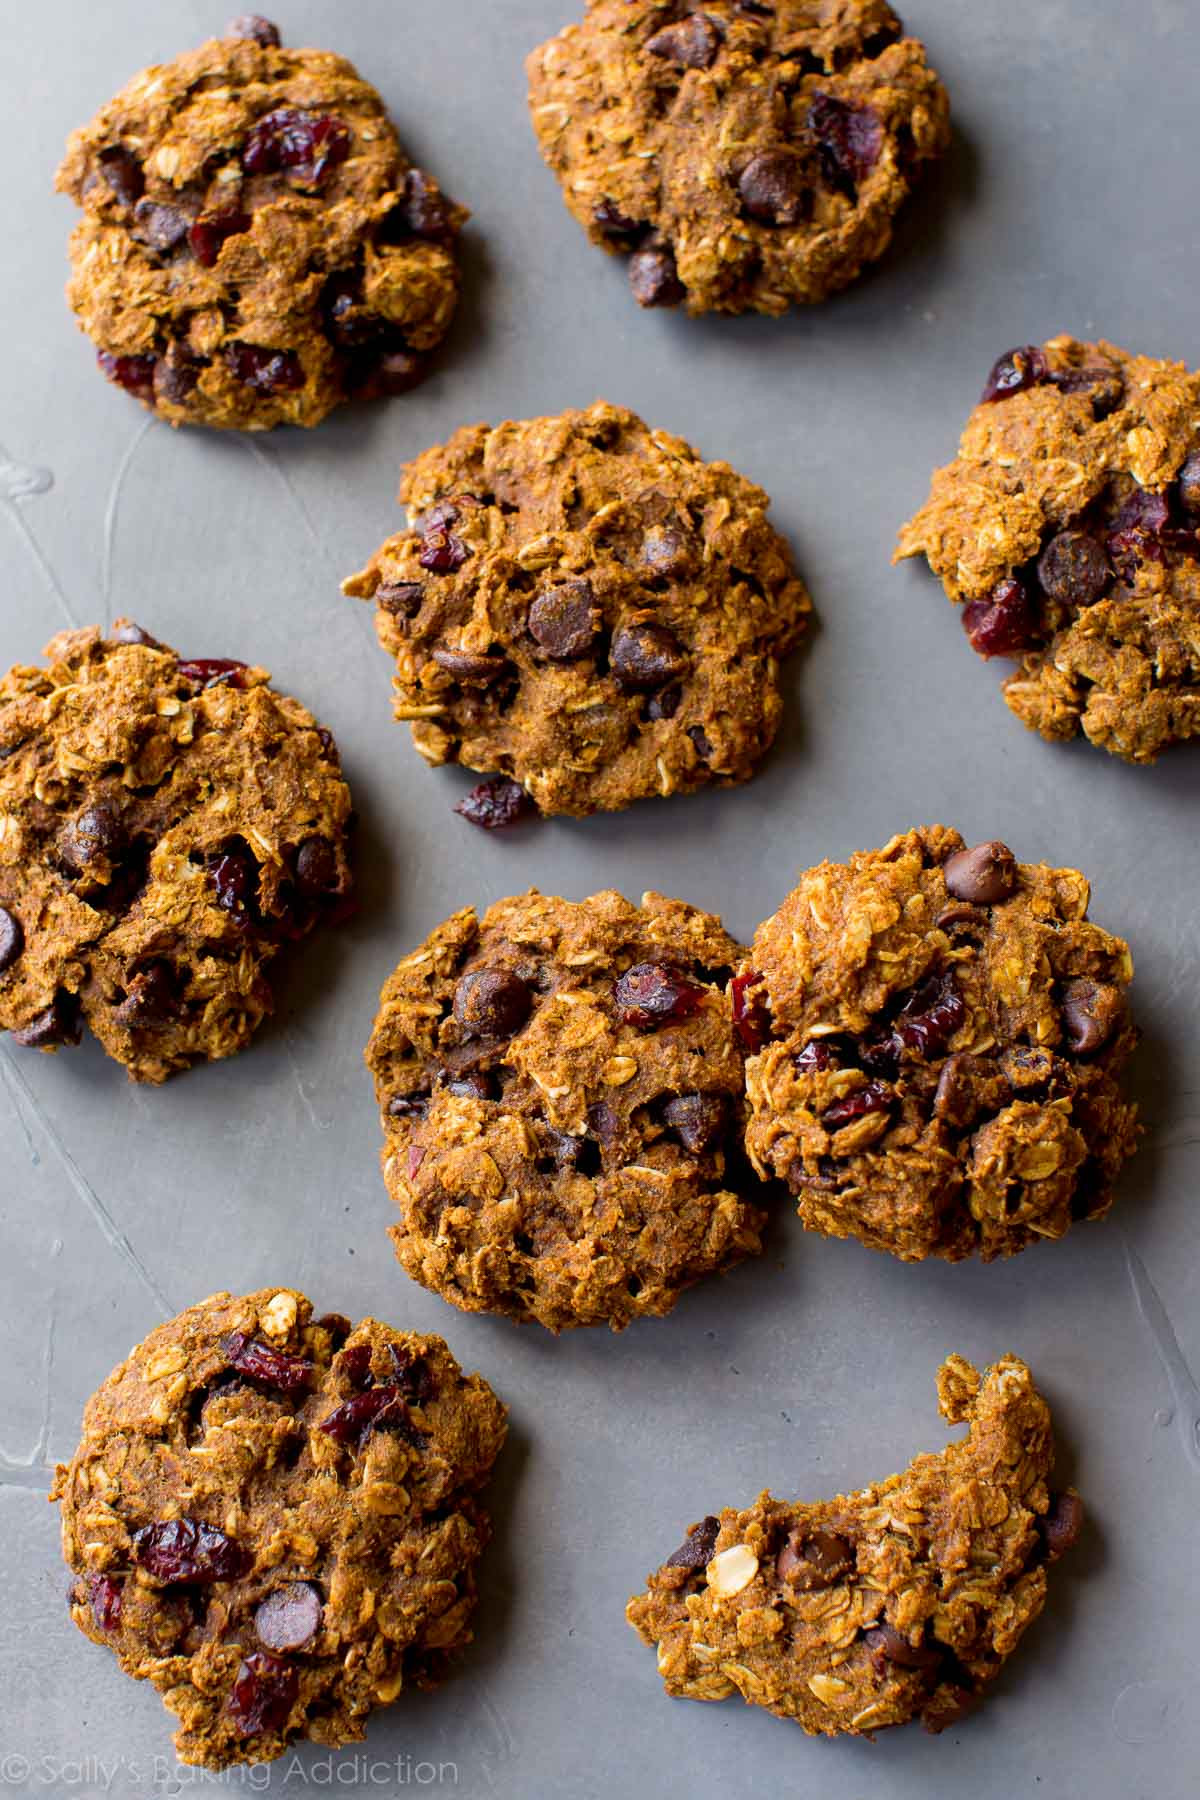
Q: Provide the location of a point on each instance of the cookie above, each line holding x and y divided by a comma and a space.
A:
273, 1518
166, 824
1068, 531
255, 246
747, 155
561, 1094
585, 608
902, 1600
938, 1037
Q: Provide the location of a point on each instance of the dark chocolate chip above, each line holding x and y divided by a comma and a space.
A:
151, 996
94, 834
289, 1617
492, 1003
654, 277
772, 188
12, 938
402, 599
495, 803
696, 1550
466, 665
983, 875
889, 1645
1091, 1011
646, 656
698, 1120
816, 1561
562, 620
57, 1025
692, 43
160, 225
253, 25
1073, 569
1024, 367
316, 868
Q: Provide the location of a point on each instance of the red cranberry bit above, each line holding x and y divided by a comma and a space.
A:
207, 671
873, 1098
104, 1596
495, 803
425, 210
654, 277
411, 1374
297, 142
1143, 509
134, 373
289, 1617
441, 552
262, 1365
253, 25
355, 1364
375, 1409
267, 371
395, 372
12, 938
1003, 625
176, 375
931, 1016
651, 994
751, 1019
879, 1052
696, 1550
234, 876
819, 1055
1015, 371
849, 139
187, 1550
123, 173
263, 1694
211, 230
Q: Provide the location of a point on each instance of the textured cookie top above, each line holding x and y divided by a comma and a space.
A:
165, 825
561, 1090
900, 1601
255, 245
1068, 528
271, 1518
585, 606
939, 1033
748, 154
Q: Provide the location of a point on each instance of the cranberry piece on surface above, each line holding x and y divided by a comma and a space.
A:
393, 372
873, 1098
696, 1550
495, 803
772, 189
931, 1016
289, 1617
1073, 569
426, 212
849, 139
650, 994
411, 1374
263, 1693
12, 938
208, 671
751, 1019
297, 142
134, 373
1003, 625
1189, 483
210, 231
654, 277
1062, 1525
263, 1365
316, 868
234, 875
355, 1364
691, 43
253, 25
266, 371
1143, 509
187, 1550
441, 551
1016, 370
375, 1409
105, 1599
819, 1055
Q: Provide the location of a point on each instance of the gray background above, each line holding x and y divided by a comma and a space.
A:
1067, 204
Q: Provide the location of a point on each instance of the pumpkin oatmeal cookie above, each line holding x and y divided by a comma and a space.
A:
1068, 531
901, 1601
255, 246
166, 824
586, 610
746, 155
273, 1518
561, 1094
937, 1036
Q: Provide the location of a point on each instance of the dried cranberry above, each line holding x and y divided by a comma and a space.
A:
267, 1367
1073, 569
208, 671
123, 173
176, 375
1189, 483
751, 1018
411, 1374
1129, 549
134, 373
819, 1055
696, 1550
691, 43
255, 27
608, 218
355, 1364
105, 1599
266, 371
1062, 1525
441, 551
12, 938
425, 209
1004, 624
654, 277
772, 188
234, 875
651, 994
188, 1550
210, 231
263, 1694
495, 803
1143, 509
931, 1016
376, 1409
1015, 371
849, 139
873, 1098
878, 1051
392, 372
301, 143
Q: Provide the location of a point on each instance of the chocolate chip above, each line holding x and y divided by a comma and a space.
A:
316, 868
95, 833
58, 1024
562, 620
151, 996
465, 665
1091, 1011
12, 938
159, 225
654, 277
772, 189
664, 704
696, 1550
1073, 569
609, 218
289, 1617
253, 25
1062, 1524
699, 1120
700, 742
889, 1645
124, 631
176, 374
692, 43
954, 1100
123, 173
477, 1085
408, 1106
814, 1562
394, 372
603, 1123
1189, 483
402, 599
492, 1003
983, 875
666, 552
646, 656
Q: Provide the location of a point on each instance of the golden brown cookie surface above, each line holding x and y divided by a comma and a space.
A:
938, 1036
561, 1092
1068, 529
897, 1602
272, 1518
746, 154
584, 606
165, 825
255, 246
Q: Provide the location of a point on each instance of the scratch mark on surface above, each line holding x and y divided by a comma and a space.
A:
111, 1232
113, 504
294, 1065
18, 482
268, 459
33, 1471
1184, 1391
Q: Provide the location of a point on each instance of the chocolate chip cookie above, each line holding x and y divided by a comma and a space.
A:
166, 824
561, 1093
745, 155
273, 1518
900, 1601
584, 608
938, 1034
1068, 530
255, 246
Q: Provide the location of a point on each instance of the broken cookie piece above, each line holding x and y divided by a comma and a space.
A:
1068, 531
937, 1035
900, 1601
